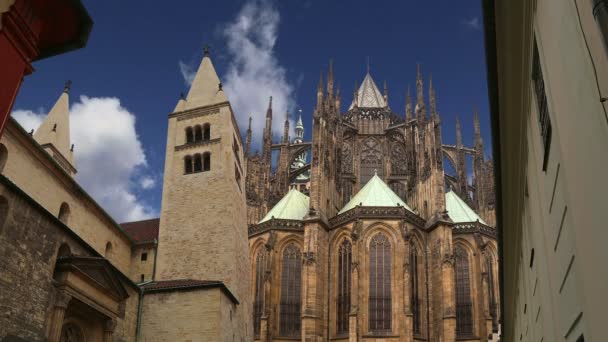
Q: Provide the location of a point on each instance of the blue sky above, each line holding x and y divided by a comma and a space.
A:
138, 59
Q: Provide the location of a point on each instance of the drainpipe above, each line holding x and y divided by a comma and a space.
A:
428, 323
155, 256
140, 307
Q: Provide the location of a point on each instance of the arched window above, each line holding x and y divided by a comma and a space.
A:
188, 164
206, 131
291, 282
492, 291
344, 275
3, 156
258, 299
206, 161
198, 133
464, 307
108, 249
64, 213
3, 211
189, 135
415, 288
379, 284
198, 164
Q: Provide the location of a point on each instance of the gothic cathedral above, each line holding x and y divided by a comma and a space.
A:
370, 239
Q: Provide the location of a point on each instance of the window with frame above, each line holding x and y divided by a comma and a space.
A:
144, 256
464, 307
291, 283
344, 278
379, 285
543, 108
258, 299
198, 164
415, 288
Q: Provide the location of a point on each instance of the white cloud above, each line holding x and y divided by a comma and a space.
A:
108, 154
147, 182
472, 23
28, 119
188, 72
254, 73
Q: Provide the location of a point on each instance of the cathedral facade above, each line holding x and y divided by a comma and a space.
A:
357, 235
380, 244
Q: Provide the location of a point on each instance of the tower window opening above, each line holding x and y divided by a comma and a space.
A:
189, 135
198, 133
206, 161
206, 131
187, 165
144, 256
198, 165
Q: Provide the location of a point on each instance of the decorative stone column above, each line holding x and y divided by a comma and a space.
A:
108, 330
314, 281
62, 300
408, 317
353, 316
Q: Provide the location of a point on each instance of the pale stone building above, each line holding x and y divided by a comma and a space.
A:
548, 79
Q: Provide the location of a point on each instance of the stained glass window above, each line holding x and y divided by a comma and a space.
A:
344, 275
379, 284
258, 299
414, 289
464, 307
291, 282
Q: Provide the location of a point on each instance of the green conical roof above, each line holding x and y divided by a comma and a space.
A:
293, 206
458, 210
375, 194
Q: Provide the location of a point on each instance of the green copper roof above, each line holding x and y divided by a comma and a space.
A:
458, 210
293, 206
375, 194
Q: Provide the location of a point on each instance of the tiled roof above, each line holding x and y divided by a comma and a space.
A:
458, 210
186, 284
375, 194
142, 231
293, 206
368, 95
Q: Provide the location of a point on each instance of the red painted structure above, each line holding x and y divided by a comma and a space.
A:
31, 30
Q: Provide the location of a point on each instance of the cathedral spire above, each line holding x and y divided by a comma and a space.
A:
54, 132
181, 104
269, 110
476, 126
320, 92
206, 88
458, 133
432, 100
286, 129
338, 99
330, 79
299, 128
419, 94
408, 105
248, 140
356, 95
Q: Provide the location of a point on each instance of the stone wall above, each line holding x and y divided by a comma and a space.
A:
30, 238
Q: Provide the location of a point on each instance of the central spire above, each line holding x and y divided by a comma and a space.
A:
368, 95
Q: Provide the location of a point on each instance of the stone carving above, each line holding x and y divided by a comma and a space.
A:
347, 158
398, 160
272, 239
357, 229
309, 258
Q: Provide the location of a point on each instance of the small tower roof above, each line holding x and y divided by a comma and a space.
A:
375, 194
206, 87
55, 129
458, 210
293, 206
368, 95
299, 124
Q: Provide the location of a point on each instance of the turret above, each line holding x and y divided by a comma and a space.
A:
54, 132
420, 107
248, 140
299, 129
385, 94
320, 93
408, 105
286, 129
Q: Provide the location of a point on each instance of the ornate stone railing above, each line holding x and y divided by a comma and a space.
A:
474, 227
375, 212
275, 224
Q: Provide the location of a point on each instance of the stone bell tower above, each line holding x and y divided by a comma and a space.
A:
203, 230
